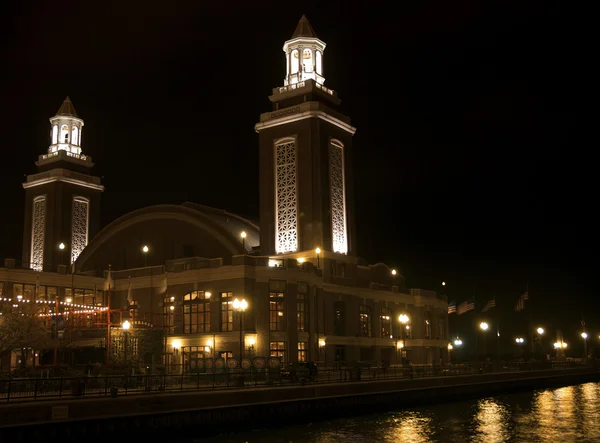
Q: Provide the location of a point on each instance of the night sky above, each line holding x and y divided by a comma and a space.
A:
470, 162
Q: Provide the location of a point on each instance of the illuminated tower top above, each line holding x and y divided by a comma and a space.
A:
304, 55
66, 130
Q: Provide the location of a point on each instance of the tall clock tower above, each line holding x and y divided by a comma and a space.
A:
305, 158
62, 200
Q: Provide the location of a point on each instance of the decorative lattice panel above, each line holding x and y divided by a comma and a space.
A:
79, 227
37, 233
287, 202
338, 198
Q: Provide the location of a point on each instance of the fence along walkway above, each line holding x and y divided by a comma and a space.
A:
31, 389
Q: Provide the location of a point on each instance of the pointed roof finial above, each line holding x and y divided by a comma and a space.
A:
304, 29
67, 109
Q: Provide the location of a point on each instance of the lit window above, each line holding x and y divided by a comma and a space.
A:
386, 322
226, 311
365, 321
302, 347
277, 350
276, 311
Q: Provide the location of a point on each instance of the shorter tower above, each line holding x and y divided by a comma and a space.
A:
62, 200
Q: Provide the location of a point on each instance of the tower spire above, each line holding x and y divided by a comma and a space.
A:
304, 29
67, 109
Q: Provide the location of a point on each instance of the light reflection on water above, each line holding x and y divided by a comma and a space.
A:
565, 415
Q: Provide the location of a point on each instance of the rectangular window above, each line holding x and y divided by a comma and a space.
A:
365, 318
23, 292
168, 313
427, 325
226, 311
277, 350
385, 320
442, 328
47, 293
225, 355
276, 311
1, 289
286, 223
339, 318
302, 347
301, 312
192, 356
196, 312
80, 296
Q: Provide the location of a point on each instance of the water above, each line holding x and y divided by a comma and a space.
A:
563, 415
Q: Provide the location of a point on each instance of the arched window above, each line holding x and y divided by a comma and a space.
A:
196, 312
64, 134
295, 62
319, 58
75, 135
307, 60
54, 134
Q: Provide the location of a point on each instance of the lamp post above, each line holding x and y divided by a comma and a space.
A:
125, 326
584, 335
318, 251
145, 250
404, 319
61, 248
243, 235
484, 327
240, 306
540, 332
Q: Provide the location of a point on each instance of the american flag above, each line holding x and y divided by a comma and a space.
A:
466, 306
489, 305
452, 307
521, 301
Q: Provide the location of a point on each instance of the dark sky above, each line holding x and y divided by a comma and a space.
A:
471, 166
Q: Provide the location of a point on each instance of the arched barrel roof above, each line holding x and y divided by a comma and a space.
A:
171, 231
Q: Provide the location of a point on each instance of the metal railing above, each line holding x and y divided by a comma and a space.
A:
30, 389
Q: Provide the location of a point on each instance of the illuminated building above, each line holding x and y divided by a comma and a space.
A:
180, 267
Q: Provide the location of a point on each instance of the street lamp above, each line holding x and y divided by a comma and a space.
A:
458, 342
484, 326
584, 335
540, 331
145, 250
61, 248
243, 235
240, 306
318, 251
519, 340
394, 272
125, 326
404, 319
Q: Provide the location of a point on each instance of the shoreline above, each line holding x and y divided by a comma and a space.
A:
139, 415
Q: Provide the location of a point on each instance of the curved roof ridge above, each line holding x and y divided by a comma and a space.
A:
200, 207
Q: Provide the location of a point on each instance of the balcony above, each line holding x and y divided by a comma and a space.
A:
66, 155
308, 84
